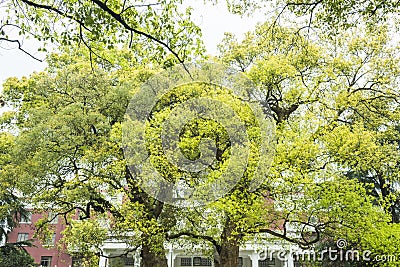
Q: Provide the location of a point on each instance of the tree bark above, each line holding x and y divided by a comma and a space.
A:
227, 255
152, 259
149, 258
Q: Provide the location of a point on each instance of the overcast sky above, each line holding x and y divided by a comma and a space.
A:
214, 21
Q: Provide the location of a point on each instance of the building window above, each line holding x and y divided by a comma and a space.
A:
240, 262
205, 262
186, 261
4, 227
198, 261
25, 218
129, 261
45, 261
266, 263
50, 242
22, 237
114, 200
53, 218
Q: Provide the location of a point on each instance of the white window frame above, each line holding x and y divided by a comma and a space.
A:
52, 215
24, 235
46, 258
25, 219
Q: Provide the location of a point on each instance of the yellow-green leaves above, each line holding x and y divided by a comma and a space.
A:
84, 239
153, 30
335, 101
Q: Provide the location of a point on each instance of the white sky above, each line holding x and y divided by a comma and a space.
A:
214, 21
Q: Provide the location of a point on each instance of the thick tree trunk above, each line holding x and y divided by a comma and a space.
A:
148, 257
227, 255
151, 259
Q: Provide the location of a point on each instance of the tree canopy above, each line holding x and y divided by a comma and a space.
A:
333, 99
12, 255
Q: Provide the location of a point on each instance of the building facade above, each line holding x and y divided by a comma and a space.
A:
47, 254
267, 254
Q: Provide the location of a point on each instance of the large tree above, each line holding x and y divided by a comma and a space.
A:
12, 208
68, 154
68, 149
316, 92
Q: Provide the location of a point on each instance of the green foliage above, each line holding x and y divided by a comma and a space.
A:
12, 207
68, 153
152, 30
344, 13
83, 238
331, 15
12, 255
335, 102
199, 129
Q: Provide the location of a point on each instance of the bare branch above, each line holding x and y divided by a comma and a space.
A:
20, 48
196, 236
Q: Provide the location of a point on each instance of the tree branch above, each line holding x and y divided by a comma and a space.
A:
51, 8
196, 236
119, 18
103, 6
302, 243
20, 48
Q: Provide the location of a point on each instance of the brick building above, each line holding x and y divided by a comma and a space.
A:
48, 254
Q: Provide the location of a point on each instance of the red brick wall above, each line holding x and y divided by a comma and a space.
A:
59, 258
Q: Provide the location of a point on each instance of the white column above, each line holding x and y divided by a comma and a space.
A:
290, 262
254, 259
171, 255
103, 262
170, 258
137, 258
